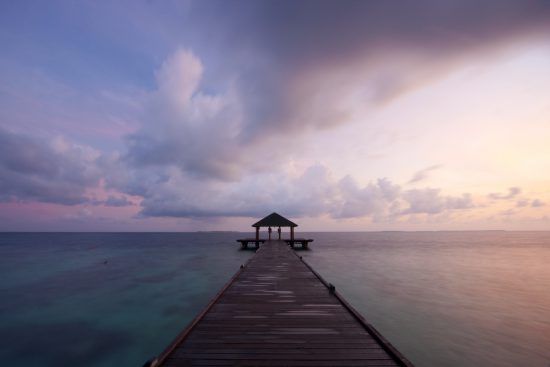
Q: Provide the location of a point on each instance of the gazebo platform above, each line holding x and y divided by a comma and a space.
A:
274, 220
304, 242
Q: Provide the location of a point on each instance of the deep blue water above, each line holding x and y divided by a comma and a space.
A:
116, 299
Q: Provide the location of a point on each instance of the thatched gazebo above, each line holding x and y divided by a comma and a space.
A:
274, 220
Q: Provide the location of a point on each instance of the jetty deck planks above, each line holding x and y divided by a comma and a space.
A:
277, 311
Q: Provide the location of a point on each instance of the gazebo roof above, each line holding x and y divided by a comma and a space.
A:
274, 220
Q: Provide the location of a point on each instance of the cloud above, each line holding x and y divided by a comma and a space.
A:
117, 201
512, 193
37, 170
83, 213
508, 212
178, 78
430, 201
112, 201
522, 203
61, 172
374, 199
424, 173
187, 128
535, 203
174, 194
315, 192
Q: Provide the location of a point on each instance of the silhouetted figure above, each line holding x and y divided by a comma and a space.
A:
269, 231
279, 232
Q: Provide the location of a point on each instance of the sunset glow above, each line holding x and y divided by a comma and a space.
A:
201, 116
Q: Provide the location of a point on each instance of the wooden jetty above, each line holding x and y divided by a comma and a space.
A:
277, 311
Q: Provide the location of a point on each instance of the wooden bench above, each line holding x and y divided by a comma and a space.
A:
302, 241
245, 241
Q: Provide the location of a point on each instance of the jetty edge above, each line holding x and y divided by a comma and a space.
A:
278, 311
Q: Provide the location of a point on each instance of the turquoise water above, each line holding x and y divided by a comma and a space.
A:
116, 299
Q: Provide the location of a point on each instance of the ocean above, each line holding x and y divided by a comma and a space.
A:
117, 299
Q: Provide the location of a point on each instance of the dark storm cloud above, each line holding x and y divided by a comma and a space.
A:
313, 31
297, 40
33, 170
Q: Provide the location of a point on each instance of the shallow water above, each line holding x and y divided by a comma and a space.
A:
116, 299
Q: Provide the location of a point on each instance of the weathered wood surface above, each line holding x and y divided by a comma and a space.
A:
278, 312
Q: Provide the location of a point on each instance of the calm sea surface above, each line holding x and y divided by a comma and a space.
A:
117, 299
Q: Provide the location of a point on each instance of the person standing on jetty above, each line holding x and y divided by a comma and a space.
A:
269, 231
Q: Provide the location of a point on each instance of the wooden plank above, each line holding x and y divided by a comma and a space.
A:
286, 363
295, 353
277, 311
322, 347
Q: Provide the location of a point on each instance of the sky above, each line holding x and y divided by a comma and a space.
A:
341, 115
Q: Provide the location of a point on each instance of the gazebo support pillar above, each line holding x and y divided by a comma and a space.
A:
257, 237
292, 237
